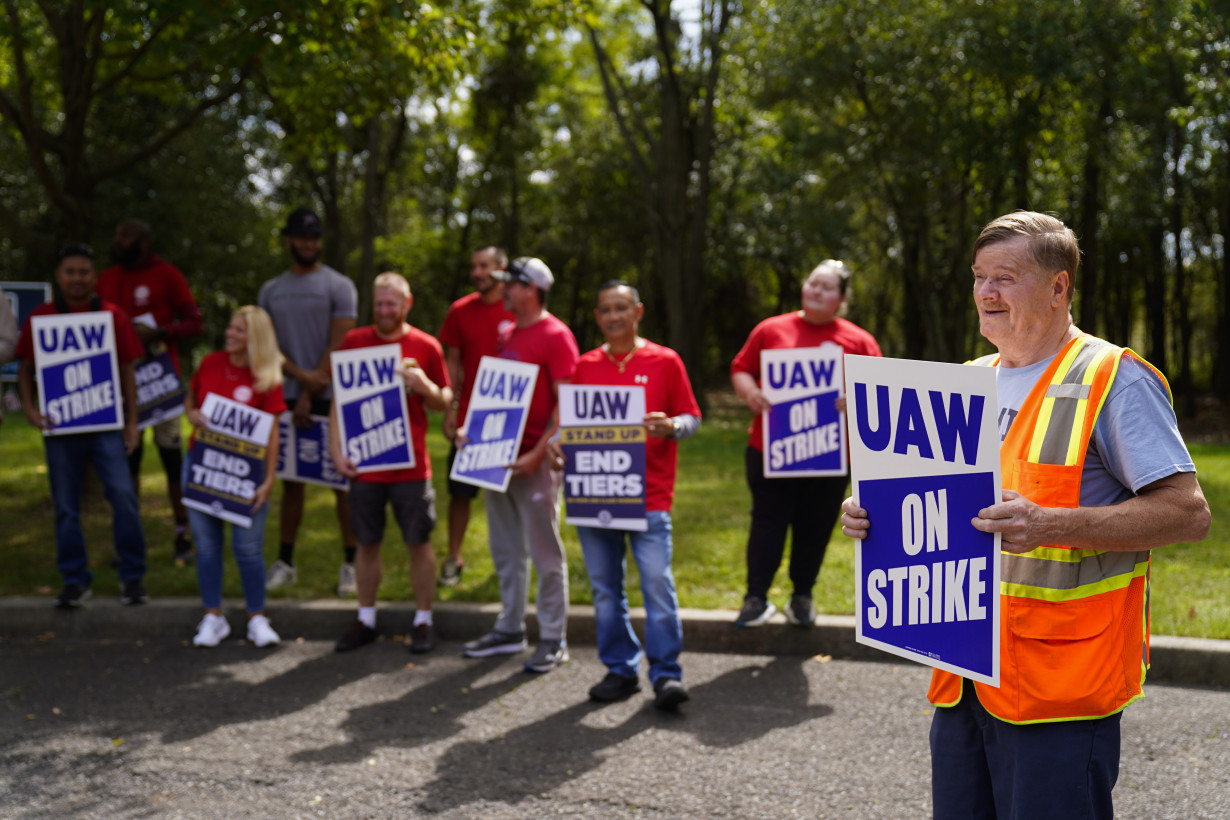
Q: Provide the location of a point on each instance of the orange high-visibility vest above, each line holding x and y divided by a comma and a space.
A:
1074, 623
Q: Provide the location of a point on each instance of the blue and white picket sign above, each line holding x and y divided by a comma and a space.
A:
303, 455
603, 435
160, 391
23, 297
924, 457
370, 397
77, 372
804, 434
495, 422
226, 462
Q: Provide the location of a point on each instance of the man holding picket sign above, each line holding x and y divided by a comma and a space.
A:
86, 394
376, 393
671, 413
523, 521
1095, 474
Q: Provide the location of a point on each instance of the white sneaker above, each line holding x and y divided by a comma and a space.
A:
345, 581
280, 574
211, 630
260, 633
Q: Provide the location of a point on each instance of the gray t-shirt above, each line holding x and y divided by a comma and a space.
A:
1135, 441
303, 306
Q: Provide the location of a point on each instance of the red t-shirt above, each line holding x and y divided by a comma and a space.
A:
549, 344
217, 375
157, 288
415, 344
473, 327
788, 331
667, 390
127, 346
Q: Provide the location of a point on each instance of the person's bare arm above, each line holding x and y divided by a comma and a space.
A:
452, 360
1168, 511
745, 385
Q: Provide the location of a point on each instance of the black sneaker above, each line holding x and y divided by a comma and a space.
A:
801, 611
614, 687
359, 634
422, 639
450, 572
668, 694
184, 553
494, 643
133, 593
73, 595
756, 611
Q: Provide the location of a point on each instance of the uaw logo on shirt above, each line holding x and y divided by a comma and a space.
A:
243, 394
140, 295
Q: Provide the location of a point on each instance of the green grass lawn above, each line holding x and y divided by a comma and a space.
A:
1191, 582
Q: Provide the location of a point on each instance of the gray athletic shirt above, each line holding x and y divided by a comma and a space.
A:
1135, 441
302, 307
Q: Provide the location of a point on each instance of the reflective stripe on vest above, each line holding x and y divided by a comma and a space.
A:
1072, 619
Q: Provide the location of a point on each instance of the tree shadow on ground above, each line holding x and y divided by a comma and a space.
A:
535, 759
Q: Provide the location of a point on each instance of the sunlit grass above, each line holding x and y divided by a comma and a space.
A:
1191, 583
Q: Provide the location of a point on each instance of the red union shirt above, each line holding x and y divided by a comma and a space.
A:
158, 288
217, 375
422, 347
791, 330
549, 344
127, 346
667, 390
473, 327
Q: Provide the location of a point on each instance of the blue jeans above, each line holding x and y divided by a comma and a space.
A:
67, 457
248, 544
618, 647
983, 768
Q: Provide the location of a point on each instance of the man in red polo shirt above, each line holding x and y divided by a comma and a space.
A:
409, 491
470, 331
106, 450
156, 297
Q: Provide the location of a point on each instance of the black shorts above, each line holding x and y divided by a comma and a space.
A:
414, 509
459, 489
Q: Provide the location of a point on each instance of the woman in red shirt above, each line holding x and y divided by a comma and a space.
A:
808, 506
247, 370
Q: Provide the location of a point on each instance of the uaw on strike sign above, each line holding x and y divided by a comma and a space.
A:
77, 372
495, 422
924, 456
603, 436
804, 434
226, 462
370, 397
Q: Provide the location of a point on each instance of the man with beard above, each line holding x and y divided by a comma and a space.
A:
155, 295
312, 306
471, 330
408, 490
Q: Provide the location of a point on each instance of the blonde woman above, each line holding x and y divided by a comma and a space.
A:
247, 370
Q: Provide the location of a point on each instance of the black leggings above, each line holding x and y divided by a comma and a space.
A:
807, 506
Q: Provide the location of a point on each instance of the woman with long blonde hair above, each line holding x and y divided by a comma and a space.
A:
248, 370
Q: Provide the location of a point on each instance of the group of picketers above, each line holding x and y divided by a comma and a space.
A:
1095, 475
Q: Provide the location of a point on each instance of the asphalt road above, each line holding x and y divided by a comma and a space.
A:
92, 727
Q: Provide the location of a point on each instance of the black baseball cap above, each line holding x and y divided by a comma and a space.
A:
302, 221
75, 249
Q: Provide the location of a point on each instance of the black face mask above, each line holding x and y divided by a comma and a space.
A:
126, 256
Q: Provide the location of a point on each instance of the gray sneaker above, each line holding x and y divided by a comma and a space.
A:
346, 585
280, 574
450, 572
756, 611
547, 656
494, 643
801, 611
